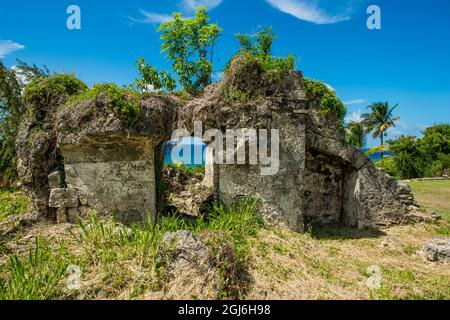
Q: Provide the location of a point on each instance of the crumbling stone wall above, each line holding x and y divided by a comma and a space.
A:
321, 180
105, 164
115, 168
323, 189
115, 175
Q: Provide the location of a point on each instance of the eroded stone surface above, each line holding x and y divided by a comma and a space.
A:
115, 169
186, 247
115, 177
321, 179
437, 249
61, 215
64, 198
55, 180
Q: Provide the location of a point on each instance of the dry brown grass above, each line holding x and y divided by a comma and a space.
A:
292, 266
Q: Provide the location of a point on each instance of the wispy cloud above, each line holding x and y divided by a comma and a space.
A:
186, 6
8, 46
354, 102
192, 5
311, 11
151, 17
407, 128
355, 116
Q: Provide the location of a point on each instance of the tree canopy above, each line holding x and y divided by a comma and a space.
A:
189, 44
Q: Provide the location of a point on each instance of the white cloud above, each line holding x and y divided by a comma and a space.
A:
406, 128
187, 7
152, 17
354, 102
7, 47
355, 116
22, 78
310, 11
192, 5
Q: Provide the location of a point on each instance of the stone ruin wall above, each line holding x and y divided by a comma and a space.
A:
115, 175
321, 180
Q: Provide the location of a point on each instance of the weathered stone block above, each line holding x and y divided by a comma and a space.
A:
114, 176
61, 215
55, 180
437, 249
63, 198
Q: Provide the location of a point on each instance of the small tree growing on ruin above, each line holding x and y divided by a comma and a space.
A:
189, 45
259, 45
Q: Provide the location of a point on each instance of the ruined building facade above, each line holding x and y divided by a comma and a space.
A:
87, 158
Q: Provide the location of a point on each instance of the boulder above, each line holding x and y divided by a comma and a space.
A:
437, 250
186, 247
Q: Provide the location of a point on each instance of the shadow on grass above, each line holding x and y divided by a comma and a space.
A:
343, 233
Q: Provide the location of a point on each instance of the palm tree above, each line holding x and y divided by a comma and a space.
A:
356, 133
380, 120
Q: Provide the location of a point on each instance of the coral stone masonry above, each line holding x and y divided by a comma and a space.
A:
90, 158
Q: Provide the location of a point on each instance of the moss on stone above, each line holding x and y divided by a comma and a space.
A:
123, 101
44, 93
329, 102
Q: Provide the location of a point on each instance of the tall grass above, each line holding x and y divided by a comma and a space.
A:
37, 276
136, 256
115, 258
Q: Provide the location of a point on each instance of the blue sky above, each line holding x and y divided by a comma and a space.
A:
406, 62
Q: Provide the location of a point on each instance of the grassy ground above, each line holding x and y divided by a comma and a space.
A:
434, 195
324, 263
12, 202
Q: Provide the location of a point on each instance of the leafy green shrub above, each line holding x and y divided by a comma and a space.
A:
45, 92
38, 276
426, 157
12, 111
258, 46
328, 100
153, 79
388, 166
123, 101
189, 45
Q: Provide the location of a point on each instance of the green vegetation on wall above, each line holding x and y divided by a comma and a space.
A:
12, 110
329, 102
123, 101
259, 46
45, 92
